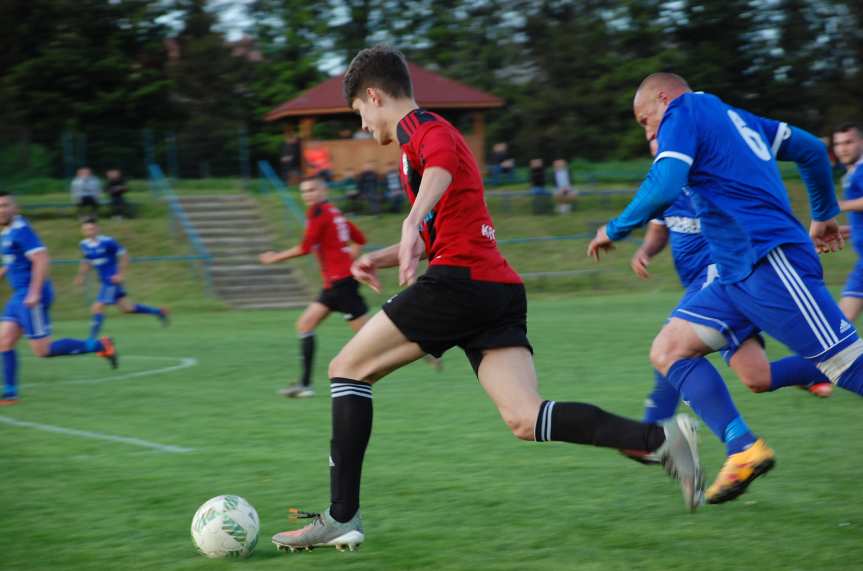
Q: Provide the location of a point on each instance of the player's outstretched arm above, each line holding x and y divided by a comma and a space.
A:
271, 257
434, 183
660, 188
812, 160
854, 205
365, 268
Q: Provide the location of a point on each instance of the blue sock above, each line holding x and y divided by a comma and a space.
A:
74, 347
792, 371
96, 324
852, 378
141, 308
703, 388
662, 401
10, 374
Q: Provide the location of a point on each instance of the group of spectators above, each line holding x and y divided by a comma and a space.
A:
372, 191
88, 194
375, 191
501, 169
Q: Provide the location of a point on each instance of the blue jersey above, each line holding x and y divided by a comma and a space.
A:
735, 182
20, 241
101, 253
688, 248
852, 186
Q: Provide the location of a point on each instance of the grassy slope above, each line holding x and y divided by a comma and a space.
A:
176, 283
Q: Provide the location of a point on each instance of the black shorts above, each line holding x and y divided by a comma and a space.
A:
445, 308
344, 296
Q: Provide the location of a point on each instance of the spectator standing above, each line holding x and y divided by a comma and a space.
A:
564, 194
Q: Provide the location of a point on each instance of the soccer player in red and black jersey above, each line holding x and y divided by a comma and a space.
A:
336, 242
469, 297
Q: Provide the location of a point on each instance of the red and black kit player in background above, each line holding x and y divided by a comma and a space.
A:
469, 297
336, 242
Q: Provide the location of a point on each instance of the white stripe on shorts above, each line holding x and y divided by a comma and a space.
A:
831, 335
38, 320
802, 298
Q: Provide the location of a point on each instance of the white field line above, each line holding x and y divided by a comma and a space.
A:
185, 363
94, 435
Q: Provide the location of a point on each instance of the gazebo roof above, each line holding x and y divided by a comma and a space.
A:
431, 90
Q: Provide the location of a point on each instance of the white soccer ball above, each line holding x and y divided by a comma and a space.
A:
225, 526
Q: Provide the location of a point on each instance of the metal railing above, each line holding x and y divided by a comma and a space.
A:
160, 186
292, 209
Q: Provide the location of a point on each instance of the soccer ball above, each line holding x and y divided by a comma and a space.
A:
225, 526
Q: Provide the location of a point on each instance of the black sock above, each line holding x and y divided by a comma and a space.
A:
307, 351
352, 427
588, 424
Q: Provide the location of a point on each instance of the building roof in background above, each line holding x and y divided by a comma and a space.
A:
431, 90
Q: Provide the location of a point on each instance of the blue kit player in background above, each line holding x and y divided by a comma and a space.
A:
848, 147
110, 260
770, 276
25, 264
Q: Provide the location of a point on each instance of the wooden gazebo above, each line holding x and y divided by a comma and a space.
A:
431, 90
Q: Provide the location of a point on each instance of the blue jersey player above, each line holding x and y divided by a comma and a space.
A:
25, 264
769, 273
848, 146
110, 261
680, 228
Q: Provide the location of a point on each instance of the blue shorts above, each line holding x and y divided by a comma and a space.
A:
34, 321
737, 334
854, 283
784, 296
109, 294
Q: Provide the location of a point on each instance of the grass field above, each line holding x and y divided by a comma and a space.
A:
446, 485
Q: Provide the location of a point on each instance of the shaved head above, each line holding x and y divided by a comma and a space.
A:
663, 81
652, 98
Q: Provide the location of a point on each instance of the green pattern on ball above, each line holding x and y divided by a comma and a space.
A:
231, 502
234, 529
206, 518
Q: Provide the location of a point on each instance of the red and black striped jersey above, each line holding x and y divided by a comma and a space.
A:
330, 234
459, 230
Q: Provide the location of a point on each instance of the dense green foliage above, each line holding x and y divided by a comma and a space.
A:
108, 83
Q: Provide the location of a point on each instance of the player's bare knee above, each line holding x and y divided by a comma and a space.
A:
756, 383
522, 428
304, 326
662, 353
41, 350
343, 366
521, 424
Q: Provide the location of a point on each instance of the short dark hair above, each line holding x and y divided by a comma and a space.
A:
381, 66
89, 220
848, 126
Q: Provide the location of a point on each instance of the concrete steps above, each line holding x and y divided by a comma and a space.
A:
234, 233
